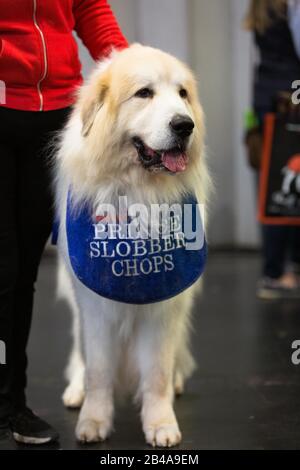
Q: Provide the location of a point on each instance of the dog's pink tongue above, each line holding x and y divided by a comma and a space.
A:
176, 163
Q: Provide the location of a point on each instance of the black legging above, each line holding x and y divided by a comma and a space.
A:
281, 244
26, 213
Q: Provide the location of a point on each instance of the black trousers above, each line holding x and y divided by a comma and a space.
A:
26, 215
281, 244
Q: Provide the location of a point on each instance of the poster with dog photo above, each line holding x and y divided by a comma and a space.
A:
279, 197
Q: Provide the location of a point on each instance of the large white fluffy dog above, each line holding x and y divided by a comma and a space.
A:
137, 130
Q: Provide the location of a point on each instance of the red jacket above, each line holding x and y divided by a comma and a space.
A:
39, 63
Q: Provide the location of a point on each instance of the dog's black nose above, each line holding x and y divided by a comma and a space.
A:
182, 125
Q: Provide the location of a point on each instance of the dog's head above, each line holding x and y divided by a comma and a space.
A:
140, 116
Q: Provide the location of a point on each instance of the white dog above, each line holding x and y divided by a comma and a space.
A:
137, 131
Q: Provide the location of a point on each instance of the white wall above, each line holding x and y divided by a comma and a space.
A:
208, 35
126, 13
210, 38
164, 24
246, 228
221, 59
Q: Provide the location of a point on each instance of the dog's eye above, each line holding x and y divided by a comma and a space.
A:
144, 93
183, 93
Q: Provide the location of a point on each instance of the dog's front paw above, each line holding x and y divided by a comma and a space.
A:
89, 430
163, 435
73, 396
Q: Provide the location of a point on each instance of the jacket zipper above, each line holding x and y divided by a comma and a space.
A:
44, 54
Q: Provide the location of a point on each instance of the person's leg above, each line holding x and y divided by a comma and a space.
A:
8, 269
275, 239
34, 217
277, 282
295, 250
25, 224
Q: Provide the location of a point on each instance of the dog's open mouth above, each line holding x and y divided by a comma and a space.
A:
173, 160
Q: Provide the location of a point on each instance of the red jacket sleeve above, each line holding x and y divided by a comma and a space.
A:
97, 27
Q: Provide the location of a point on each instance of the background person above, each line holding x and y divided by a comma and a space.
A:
276, 28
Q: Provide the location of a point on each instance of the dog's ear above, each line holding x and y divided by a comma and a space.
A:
91, 105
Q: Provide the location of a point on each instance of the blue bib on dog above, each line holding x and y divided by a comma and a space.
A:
135, 270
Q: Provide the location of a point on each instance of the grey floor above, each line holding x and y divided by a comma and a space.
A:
245, 393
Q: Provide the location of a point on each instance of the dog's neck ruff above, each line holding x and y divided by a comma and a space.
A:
134, 270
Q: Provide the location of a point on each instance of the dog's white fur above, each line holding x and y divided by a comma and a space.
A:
145, 346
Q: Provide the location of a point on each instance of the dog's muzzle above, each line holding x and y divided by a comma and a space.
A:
173, 160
